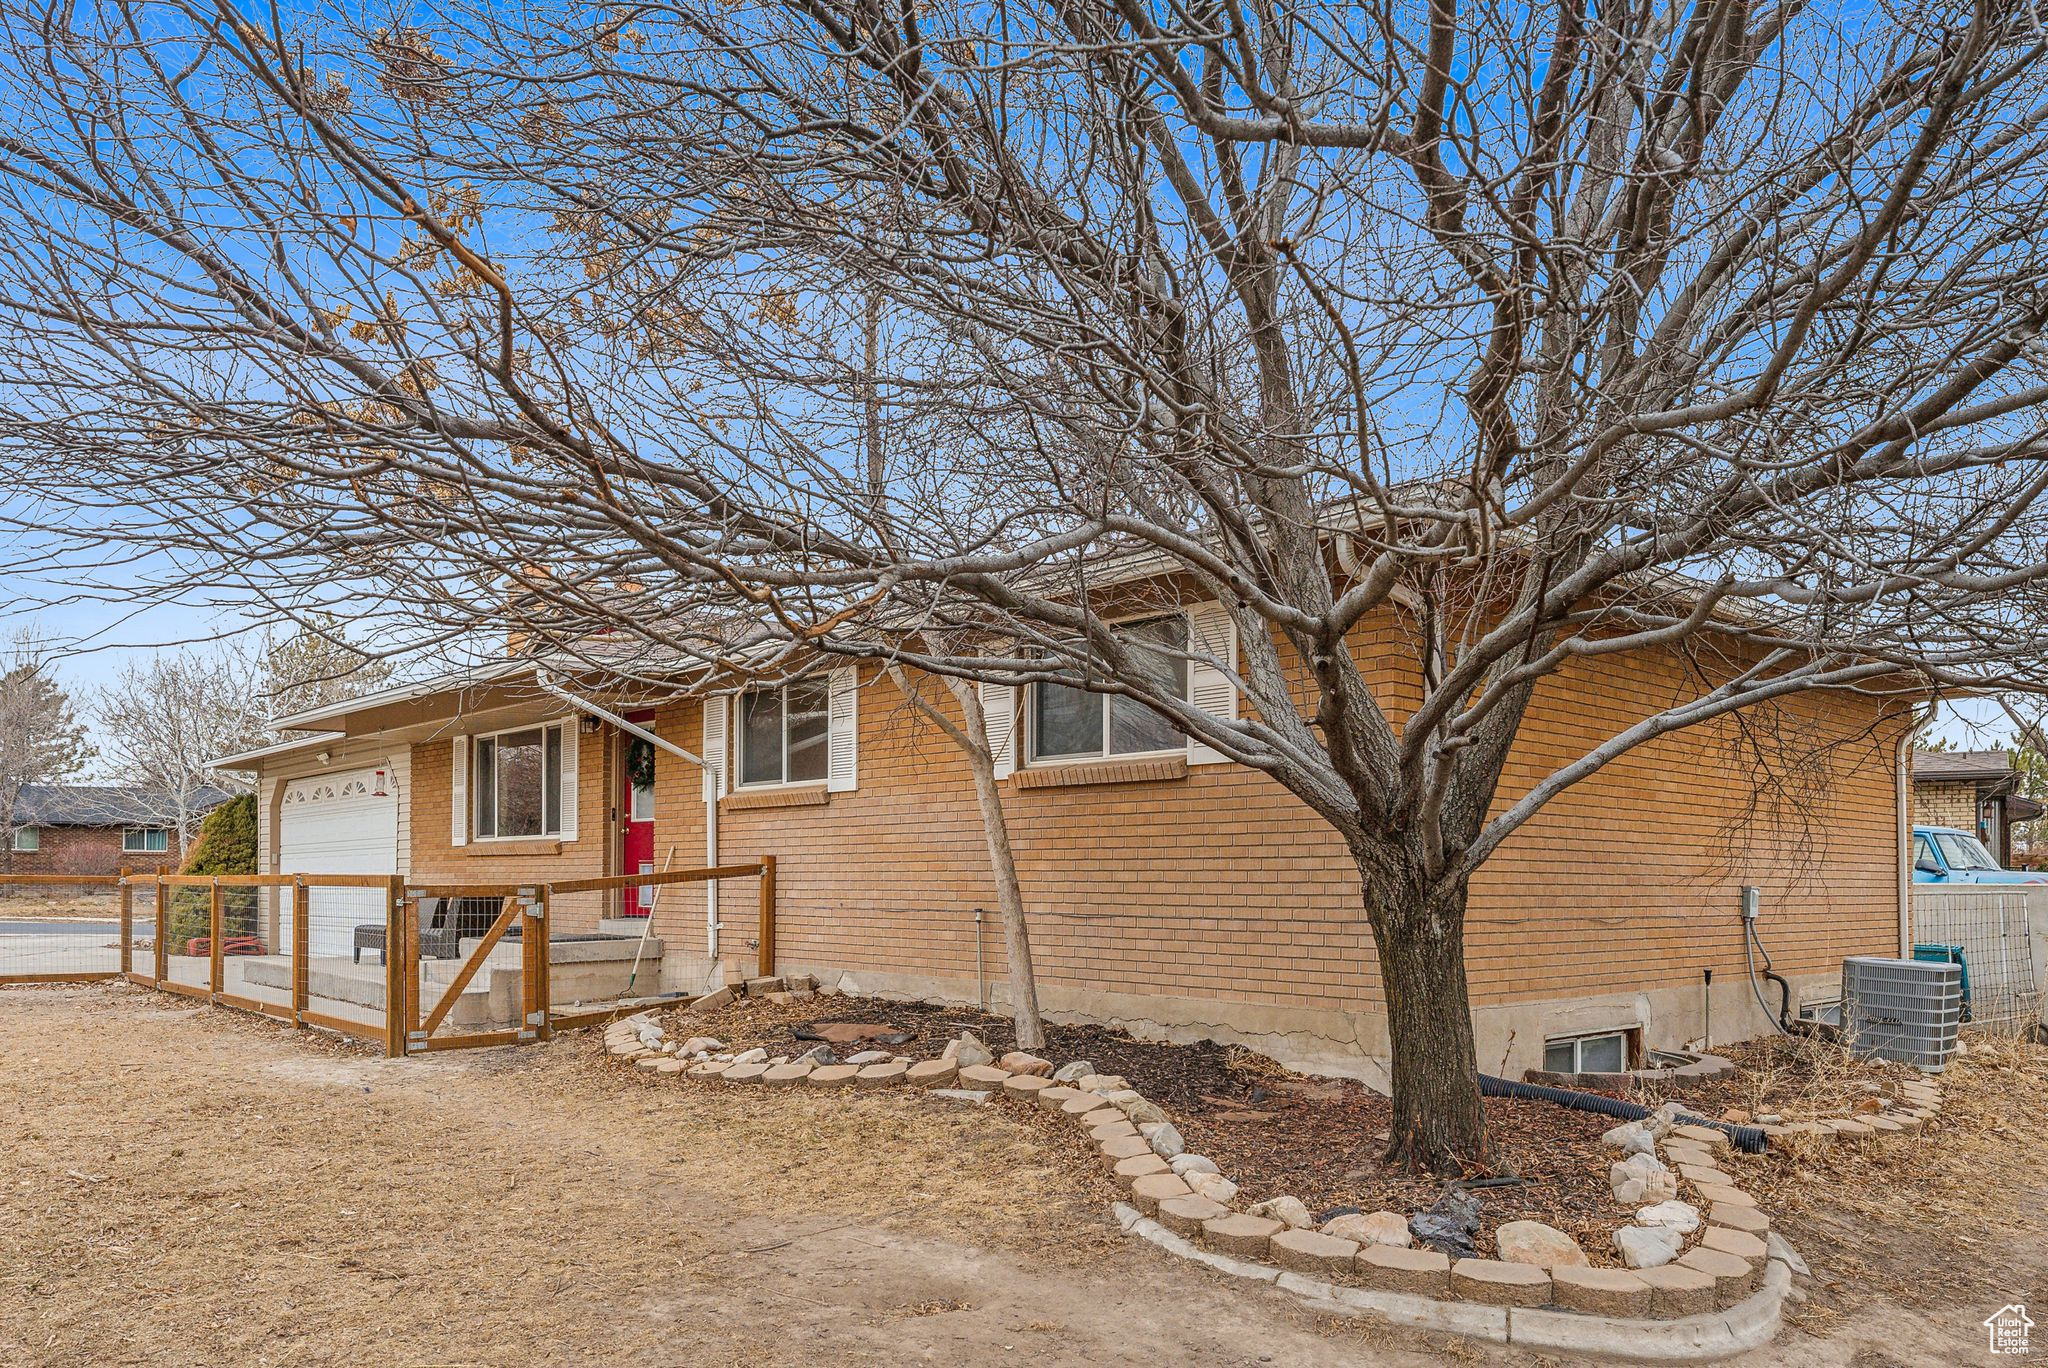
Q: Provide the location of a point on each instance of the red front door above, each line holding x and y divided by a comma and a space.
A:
636, 805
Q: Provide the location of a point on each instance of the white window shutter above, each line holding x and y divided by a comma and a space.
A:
999, 717
458, 794
571, 773
842, 769
1211, 632
715, 710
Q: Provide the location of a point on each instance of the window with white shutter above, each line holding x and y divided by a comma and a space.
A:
458, 794
999, 720
715, 712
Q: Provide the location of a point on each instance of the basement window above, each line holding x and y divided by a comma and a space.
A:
1606, 1053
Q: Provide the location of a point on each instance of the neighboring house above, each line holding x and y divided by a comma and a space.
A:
1170, 890
1974, 791
96, 829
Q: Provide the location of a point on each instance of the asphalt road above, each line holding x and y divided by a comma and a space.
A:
70, 928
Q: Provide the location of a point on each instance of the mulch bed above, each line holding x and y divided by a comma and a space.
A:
1274, 1132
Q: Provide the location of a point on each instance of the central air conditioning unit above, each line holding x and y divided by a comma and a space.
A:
1905, 1010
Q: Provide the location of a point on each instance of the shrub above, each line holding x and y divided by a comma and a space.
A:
226, 844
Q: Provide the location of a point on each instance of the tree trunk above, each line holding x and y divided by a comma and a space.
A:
988, 796
1439, 1125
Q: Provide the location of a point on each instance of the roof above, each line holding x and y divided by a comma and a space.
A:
94, 805
248, 759
1950, 766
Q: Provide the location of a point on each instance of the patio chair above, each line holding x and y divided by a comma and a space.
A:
440, 937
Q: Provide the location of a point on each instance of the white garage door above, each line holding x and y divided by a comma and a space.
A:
338, 824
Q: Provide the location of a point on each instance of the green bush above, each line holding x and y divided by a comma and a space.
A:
226, 844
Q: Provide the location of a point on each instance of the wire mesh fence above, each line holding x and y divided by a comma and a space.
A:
1988, 933
57, 928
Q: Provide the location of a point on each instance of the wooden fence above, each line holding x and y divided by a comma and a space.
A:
411, 1014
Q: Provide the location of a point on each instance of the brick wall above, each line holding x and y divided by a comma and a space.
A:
83, 850
1218, 885
1949, 804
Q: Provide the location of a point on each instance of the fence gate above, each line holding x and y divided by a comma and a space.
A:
473, 966
1998, 959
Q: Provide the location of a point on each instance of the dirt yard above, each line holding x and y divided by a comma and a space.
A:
188, 1186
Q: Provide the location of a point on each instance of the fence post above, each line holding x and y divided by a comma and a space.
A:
214, 919
396, 970
127, 925
163, 933
533, 963
767, 969
302, 953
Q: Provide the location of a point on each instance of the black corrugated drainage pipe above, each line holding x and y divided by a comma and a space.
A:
1748, 1139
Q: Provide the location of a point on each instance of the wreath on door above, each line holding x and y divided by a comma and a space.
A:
640, 763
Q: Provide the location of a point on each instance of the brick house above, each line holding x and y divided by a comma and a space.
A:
1973, 791
1169, 890
95, 829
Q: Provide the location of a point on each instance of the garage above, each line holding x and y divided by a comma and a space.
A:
344, 823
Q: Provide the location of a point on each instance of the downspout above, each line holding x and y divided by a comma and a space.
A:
711, 926
1904, 785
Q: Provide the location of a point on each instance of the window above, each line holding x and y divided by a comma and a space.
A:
784, 733
145, 841
517, 782
28, 840
1074, 724
1964, 852
1587, 1054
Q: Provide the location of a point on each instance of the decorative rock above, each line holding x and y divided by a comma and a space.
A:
651, 1061
932, 1073
1632, 1138
1740, 1218
867, 1057
1022, 1085
1103, 1116
1185, 1164
971, 1096
817, 1054
1500, 1284
1243, 1236
1741, 1243
1676, 1290
762, 987
1424, 1272
749, 1071
670, 1066
1186, 1215
1686, 1152
1308, 1251
1018, 1062
702, 1044
1074, 1072
710, 1068
1214, 1186
1114, 1130
1702, 1173
968, 1051
1388, 1228
882, 1075
1126, 1147
1449, 1225
1166, 1141
1287, 1210
1682, 1217
1734, 1278
782, 1075
1150, 1189
1104, 1083
1058, 1095
1601, 1291
1538, 1245
1641, 1179
1647, 1246
757, 1055
833, 1075
1078, 1106
981, 1076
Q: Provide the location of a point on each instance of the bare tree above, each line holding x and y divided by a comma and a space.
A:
40, 738
1536, 333
317, 664
163, 722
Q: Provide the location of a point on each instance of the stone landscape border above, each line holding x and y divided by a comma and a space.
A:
1723, 1296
